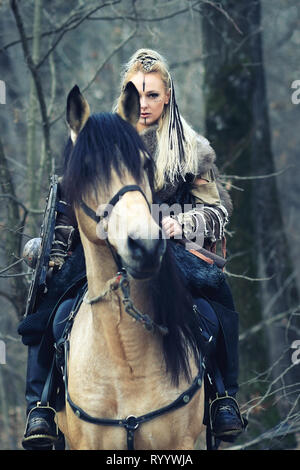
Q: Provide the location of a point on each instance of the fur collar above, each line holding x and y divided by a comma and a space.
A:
206, 154
206, 158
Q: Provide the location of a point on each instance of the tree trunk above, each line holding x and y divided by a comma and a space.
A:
12, 234
32, 155
237, 125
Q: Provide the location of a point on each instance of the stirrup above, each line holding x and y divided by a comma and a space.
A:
40, 441
229, 436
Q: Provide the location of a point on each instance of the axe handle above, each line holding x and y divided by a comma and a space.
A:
218, 260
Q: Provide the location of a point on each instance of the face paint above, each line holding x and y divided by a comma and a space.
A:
144, 87
153, 97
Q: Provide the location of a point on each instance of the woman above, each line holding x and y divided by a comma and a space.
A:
185, 174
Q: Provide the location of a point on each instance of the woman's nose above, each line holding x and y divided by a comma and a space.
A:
143, 102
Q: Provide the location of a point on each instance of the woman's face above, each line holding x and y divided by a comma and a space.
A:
153, 97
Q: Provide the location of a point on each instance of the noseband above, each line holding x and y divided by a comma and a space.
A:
97, 218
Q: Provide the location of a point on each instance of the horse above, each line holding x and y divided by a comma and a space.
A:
133, 368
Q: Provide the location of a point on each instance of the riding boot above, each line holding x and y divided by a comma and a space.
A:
41, 430
224, 415
226, 421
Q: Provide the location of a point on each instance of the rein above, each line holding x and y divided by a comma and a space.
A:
121, 281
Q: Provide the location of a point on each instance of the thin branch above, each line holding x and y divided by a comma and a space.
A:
112, 53
64, 26
68, 23
149, 19
74, 26
36, 78
219, 8
254, 329
247, 278
17, 201
18, 231
11, 266
268, 393
279, 292
14, 275
257, 177
278, 431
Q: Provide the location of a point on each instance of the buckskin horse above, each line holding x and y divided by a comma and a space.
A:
133, 370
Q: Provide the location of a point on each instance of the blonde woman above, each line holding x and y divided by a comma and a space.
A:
181, 155
186, 175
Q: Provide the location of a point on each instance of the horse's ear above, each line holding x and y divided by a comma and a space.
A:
129, 108
77, 112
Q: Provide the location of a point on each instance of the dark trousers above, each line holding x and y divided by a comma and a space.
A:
217, 308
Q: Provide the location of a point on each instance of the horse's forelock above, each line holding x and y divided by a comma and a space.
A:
106, 142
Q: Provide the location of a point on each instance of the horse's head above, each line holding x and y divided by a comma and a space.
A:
110, 173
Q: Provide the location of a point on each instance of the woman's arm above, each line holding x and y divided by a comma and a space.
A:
64, 232
207, 220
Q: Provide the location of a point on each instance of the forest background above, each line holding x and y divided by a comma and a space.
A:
236, 68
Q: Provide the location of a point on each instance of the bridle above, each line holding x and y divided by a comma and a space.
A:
131, 423
98, 218
121, 278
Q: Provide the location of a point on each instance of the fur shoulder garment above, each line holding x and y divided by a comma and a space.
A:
206, 159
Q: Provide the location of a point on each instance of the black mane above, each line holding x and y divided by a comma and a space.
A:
173, 305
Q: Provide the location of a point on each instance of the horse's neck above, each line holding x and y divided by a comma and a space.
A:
126, 339
100, 266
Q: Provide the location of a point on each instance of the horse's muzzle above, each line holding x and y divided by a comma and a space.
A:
145, 256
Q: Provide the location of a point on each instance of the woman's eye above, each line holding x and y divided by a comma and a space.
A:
153, 95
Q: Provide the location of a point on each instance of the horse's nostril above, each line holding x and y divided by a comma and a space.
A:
146, 249
136, 247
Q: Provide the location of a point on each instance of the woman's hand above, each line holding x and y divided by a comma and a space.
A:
171, 227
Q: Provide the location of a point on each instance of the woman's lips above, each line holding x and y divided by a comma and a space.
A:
144, 115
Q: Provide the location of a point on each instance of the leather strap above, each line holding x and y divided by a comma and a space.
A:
97, 218
92, 214
131, 423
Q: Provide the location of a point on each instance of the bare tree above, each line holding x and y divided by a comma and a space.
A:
238, 125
